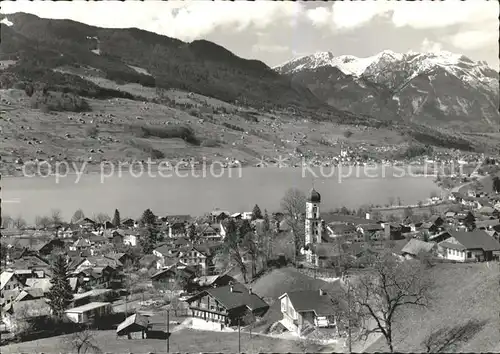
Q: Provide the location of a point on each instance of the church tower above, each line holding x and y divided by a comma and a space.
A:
313, 224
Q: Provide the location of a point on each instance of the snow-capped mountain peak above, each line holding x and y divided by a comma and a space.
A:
6, 22
351, 65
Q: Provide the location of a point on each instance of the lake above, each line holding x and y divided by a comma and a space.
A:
236, 190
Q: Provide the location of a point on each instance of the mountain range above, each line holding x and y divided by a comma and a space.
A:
414, 93
441, 89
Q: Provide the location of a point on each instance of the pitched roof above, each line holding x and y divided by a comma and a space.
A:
133, 323
87, 307
477, 239
415, 246
231, 300
29, 294
371, 227
311, 300
40, 283
29, 308
5, 277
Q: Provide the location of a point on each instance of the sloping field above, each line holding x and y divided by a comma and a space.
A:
466, 305
184, 341
279, 281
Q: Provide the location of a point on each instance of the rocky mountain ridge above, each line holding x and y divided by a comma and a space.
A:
442, 89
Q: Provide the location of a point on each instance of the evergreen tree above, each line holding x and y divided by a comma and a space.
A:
148, 240
256, 213
148, 218
244, 229
496, 184
192, 233
60, 294
267, 224
116, 218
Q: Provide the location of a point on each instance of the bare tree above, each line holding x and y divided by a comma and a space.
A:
388, 287
19, 223
82, 342
77, 216
42, 222
55, 216
293, 205
101, 218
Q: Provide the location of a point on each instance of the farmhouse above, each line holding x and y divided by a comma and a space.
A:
227, 305
469, 246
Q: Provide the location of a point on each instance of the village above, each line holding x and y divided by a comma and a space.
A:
225, 271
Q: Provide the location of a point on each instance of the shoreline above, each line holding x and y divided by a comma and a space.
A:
92, 169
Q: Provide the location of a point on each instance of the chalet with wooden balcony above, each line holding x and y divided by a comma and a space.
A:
227, 305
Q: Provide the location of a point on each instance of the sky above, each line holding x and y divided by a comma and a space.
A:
275, 32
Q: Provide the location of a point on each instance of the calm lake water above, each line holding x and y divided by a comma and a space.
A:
236, 191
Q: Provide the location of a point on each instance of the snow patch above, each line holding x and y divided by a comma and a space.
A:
464, 105
6, 22
140, 70
441, 105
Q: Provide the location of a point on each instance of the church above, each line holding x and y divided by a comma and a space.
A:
324, 238
315, 229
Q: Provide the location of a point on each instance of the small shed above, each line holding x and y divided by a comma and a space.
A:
134, 326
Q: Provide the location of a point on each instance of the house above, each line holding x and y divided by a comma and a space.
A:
213, 281
469, 246
322, 255
177, 229
89, 312
129, 223
450, 215
373, 232
81, 244
415, 248
346, 232
9, 282
130, 238
86, 223
304, 310
46, 248
17, 315
227, 306
487, 224
197, 258
209, 231
117, 238
176, 277
217, 216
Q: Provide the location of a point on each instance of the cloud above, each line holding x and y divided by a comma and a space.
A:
183, 20
430, 46
343, 15
270, 48
473, 40
319, 16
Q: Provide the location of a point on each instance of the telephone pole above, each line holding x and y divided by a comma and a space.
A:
168, 330
349, 314
239, 335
